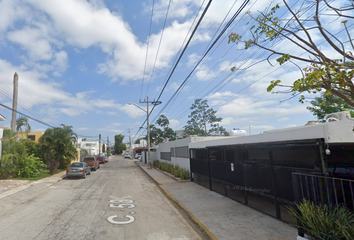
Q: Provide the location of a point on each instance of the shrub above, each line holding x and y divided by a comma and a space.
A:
30, 166
176, 171
324, 222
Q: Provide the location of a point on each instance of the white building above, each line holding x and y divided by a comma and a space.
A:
91, 147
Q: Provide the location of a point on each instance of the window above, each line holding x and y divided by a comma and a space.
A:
181, 152
31, 137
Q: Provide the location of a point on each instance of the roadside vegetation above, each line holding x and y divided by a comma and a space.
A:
323, 221
176, 171
23, 159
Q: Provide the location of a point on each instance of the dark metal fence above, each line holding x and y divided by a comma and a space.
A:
324, 190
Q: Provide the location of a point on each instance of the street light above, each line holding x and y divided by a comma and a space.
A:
147, 122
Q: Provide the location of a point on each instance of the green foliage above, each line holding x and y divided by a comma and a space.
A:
58, 146
163, 132
33, 148
199, 119
118, 144
13, 152
176, 171
323, 221
328, 103
19, 157
333, 75
23, 122
30, 166
103, 148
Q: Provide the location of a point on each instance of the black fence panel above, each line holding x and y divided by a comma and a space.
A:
323, 190
216, 170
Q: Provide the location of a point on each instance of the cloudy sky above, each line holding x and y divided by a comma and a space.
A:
80, 62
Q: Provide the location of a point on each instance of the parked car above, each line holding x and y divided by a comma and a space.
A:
138, 155
78, 169
126, 155
101, 159
93, 162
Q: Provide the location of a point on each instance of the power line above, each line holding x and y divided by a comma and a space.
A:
25, 115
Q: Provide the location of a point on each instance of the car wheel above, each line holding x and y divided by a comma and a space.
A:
89, 172
84, 176
95, 169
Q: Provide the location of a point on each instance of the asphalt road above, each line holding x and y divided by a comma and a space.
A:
118, 201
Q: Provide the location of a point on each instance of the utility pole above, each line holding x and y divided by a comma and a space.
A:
99, 144
130, 143
148, 127
107, 148
14, 103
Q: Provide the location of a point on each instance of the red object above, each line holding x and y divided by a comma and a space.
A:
101, 159
81, 170
67, 170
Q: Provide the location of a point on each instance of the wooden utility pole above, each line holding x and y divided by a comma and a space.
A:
14, 103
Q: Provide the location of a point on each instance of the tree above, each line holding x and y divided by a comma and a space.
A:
333, 75
118, 144
162, 134
200, 117
23, 122
328, 104
19, 158
58, 146
103, 148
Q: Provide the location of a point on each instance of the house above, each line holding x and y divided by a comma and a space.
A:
32, 136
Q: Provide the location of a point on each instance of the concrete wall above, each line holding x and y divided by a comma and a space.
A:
182, 162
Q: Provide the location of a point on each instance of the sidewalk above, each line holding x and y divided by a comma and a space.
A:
9, 187
221, 217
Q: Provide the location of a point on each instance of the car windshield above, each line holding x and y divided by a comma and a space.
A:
76, 165
89, 159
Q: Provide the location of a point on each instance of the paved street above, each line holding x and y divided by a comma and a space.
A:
118, 201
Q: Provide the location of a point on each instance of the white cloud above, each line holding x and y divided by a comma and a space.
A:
283, 119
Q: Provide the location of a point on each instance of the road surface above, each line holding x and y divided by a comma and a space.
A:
118, 201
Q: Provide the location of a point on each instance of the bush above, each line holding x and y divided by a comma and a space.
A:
323, 222
30, 166
176, 171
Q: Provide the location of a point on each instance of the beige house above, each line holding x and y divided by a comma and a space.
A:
32, 136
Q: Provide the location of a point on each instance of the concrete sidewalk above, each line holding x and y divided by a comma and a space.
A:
21, 185
221, 217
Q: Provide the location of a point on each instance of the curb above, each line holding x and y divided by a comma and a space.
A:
181, 205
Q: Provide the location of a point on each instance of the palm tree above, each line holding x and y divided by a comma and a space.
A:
23, 122
58, 144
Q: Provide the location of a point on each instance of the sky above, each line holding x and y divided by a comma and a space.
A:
80, 62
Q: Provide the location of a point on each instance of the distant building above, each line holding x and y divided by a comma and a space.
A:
91, 147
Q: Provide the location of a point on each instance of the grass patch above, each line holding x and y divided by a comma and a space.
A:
42, 174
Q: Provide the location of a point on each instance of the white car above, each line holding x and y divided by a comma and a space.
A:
138, 155
126, 155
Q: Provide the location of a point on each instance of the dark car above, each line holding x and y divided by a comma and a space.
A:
93, 162
78, 169
101, 159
